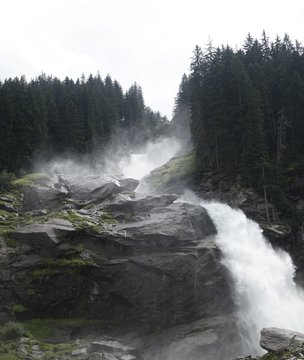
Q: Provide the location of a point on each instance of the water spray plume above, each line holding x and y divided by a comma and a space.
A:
154, 155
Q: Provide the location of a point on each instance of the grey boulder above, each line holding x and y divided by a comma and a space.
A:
277, 340
42, 237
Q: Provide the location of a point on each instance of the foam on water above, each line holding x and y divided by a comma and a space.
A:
263, 278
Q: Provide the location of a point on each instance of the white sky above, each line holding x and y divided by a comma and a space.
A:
150, 42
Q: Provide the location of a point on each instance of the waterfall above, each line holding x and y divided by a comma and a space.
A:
154, 155
265, 292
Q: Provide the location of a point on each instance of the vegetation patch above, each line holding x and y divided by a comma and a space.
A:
11, 331
73, 263
177, 169
107, 218
42, 329
19, 345
277, 356
5, 228
19, 308
8, 221
31, 180
12, 243
4, 213
6, 180
50, 266
9, 357
80, 222
58, 348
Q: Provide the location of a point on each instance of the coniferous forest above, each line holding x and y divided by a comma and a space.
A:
246, 109
49, 116
247, 112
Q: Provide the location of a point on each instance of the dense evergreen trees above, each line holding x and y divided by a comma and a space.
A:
47, 115
247, 109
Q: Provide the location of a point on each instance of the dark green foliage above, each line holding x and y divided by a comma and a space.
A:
47, 116
247, 111
11, 331
6, 179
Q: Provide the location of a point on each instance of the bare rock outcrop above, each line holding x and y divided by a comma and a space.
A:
277, 340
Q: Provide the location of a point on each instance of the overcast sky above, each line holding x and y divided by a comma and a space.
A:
150, 42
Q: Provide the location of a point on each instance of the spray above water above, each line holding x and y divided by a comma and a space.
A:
265, 292
154, 155
111, 165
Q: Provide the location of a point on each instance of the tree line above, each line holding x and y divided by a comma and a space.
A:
50, 116
247, 110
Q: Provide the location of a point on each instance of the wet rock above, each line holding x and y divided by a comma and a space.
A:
155, 266
110, 346
277, 340
36, 352
7, 207
39, 212
25, 261
44, 197
80, 352
110, 189
128, 357
128, 184
172, 226
162, 289
127, 274
23, 350
212, 338
103, 192
5, 275
6, 199
43, 237
277, 231
139, 206
99, 356
60, 335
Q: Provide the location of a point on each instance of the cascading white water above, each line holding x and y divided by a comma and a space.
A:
154, 155
265, 292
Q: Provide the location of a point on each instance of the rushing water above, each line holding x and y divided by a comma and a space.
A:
264, 289
265, 292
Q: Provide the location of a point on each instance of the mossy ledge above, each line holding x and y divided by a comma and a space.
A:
182, 169
31, 180
48, 266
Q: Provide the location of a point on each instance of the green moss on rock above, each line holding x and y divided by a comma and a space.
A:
42, 329
31, 180
49, 267
9, 357
276, 356
18, 308
175, 170
107, 218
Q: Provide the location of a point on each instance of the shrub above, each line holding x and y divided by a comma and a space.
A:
11, 331
6, 179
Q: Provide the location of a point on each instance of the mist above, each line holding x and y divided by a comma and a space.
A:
151, 156
114, 163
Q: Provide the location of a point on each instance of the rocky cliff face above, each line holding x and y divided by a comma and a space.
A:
86, 247
278, 227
